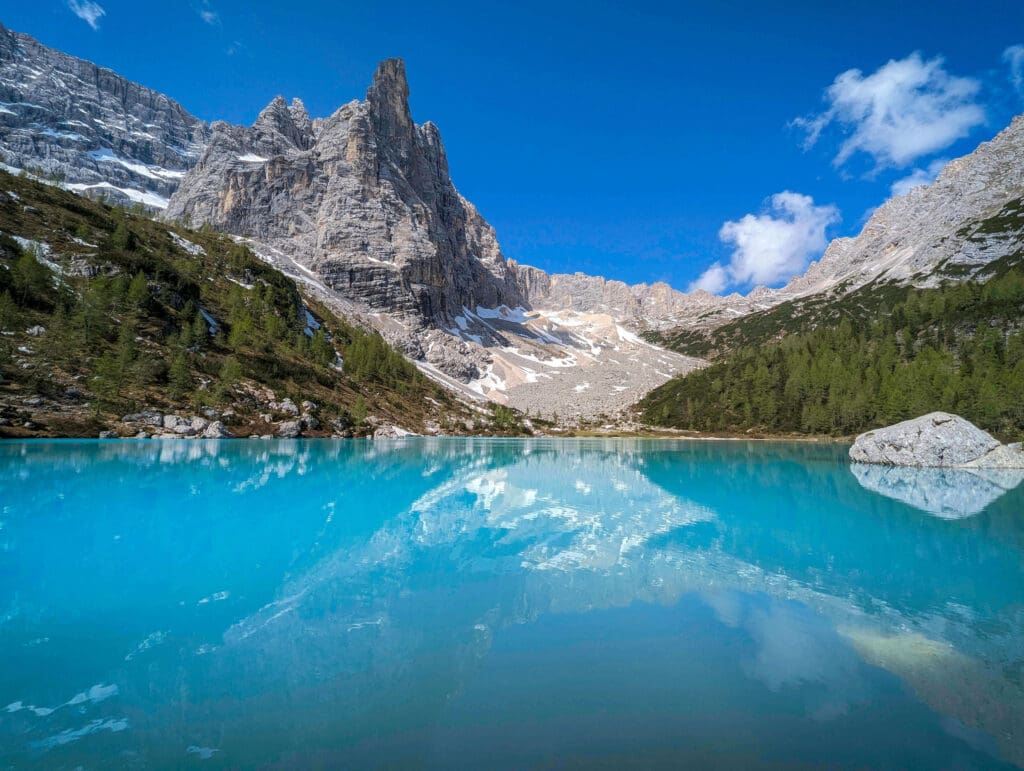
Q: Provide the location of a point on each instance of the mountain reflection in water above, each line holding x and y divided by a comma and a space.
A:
503, 603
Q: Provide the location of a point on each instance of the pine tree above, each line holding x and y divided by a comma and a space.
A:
179, 377
138, 293
358, 412
200, 329
30, 279
321, 349
10, 316
122, 239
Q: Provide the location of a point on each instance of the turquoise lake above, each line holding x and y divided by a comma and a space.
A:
490, 603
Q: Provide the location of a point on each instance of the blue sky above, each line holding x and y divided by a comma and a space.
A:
639, 140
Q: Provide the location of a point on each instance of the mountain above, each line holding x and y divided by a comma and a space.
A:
361, 208
968, 220
90, 129
358, 208
922, 311
112, 321
948, 230
364, 196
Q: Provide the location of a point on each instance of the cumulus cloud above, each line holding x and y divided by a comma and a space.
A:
87, 11
918, 177
771, 246
714, 280
1014, 58
906, 109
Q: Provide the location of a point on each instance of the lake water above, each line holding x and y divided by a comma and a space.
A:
504, 604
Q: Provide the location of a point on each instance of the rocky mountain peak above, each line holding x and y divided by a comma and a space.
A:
388, 101
389, 89
300, 117
277, 121
362, 198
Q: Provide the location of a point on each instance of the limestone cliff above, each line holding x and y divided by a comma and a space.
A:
87, 127
362, 198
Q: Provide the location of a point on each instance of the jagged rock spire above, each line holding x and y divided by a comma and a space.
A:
388, 99
277, 120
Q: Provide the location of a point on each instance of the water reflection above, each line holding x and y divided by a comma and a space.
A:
501, 603
944, 492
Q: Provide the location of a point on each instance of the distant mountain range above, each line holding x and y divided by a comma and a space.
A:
360, 210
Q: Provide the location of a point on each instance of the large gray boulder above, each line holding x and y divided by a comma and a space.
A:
936, 440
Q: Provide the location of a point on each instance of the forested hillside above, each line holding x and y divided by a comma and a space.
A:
875, 357
104, 311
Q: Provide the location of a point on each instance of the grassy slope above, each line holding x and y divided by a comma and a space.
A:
112, 346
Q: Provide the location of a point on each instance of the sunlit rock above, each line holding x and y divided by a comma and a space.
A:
935, 440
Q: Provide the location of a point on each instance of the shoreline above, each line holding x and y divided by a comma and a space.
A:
805, 439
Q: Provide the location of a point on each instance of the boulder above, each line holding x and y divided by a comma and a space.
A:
109, 435
289, 429
146, 417
391, 432
936, 440
216, 430
286, 406
173, 421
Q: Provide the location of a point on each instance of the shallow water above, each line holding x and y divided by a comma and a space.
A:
504, 604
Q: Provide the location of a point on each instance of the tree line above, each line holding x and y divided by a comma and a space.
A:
958, 348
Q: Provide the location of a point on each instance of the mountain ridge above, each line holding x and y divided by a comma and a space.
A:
87, 127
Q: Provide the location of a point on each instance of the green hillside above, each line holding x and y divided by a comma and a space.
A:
876, 356
104, 311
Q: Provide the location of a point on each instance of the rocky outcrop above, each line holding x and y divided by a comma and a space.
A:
87, 127
936, 440
642, 306
362, 198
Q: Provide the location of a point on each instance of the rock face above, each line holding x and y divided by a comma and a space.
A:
642, 306
364, 197
90, 128
936, 440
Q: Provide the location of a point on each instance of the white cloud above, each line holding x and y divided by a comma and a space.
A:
772, 246
206, 13
87, 11
918, 177
713, 280
906, 109
1014, 57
